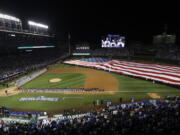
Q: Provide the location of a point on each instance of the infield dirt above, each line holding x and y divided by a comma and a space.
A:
10, 91
94, 78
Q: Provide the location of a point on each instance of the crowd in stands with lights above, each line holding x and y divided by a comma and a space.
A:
105, 52
15, 65
150, 117
169, 53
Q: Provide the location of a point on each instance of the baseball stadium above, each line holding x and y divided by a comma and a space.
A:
113, 87
78, 87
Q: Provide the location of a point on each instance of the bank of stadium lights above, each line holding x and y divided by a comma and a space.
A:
10, 22
31, 23
8, 17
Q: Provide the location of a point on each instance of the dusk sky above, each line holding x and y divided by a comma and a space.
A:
88, 20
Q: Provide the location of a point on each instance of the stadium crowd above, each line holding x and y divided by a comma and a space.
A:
14, 65
104, 52
169, 53
111, 52
155, 117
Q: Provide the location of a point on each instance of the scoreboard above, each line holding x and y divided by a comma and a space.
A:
113, 41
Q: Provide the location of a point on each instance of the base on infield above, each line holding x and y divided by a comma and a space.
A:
55, 80
9, 91
154, 95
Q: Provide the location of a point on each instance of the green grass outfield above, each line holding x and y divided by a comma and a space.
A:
2, 87
128, 87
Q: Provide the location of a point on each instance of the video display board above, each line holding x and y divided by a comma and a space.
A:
113, 41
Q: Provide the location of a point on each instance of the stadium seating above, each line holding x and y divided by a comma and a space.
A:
96, 59
158, 117
15, 65
111, 52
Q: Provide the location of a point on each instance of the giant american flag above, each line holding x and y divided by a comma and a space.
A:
161, 73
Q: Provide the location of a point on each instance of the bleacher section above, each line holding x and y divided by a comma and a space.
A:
96, 59
150, 117
15, 65
111, 52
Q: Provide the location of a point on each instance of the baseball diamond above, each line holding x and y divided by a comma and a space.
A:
73, 78
89, 68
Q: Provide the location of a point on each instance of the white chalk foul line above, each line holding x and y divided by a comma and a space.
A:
73, 97
144, 91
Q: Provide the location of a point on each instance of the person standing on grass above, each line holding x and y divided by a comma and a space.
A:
6, 91
94, 103
120, 100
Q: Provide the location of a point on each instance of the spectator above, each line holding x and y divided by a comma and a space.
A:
127, 119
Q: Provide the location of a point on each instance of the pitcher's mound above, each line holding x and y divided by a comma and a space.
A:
55, 80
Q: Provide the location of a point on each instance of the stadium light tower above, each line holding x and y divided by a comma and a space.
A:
8, 17
37, 27
10, 22
69, 43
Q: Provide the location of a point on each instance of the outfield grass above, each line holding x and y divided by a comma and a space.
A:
2, 87
66, 101
142, 87
69, 80
128, 87
127, 83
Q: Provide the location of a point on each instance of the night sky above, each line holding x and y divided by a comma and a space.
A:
88, 20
